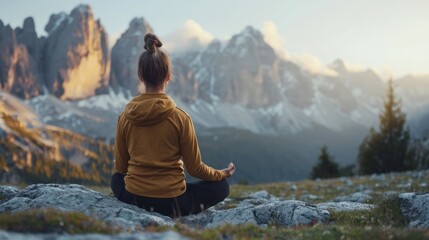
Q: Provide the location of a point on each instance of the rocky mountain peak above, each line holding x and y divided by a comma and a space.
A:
77, 61
56, 21
248, 37
28, 37
240, 71
8, 34
29, 25
251, 32
81, 9
250, 43
338, 65
125, 54
139, 24
18, 69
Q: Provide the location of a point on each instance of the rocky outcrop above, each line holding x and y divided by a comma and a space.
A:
19, 53
415, 207
360, 197
125, 55
78, 198
345, 206
76, 58
7, 192
168, 235
259, 211
287, 213
27, 36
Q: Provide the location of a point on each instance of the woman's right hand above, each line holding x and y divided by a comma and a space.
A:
230, 169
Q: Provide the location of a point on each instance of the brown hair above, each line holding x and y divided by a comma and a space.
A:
154, 64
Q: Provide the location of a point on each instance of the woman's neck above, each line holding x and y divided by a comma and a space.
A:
155, 90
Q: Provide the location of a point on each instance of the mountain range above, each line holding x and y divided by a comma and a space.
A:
72, 80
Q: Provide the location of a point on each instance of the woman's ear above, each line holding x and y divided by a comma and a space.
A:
168, 77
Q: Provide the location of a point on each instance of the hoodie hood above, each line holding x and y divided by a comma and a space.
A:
149, 108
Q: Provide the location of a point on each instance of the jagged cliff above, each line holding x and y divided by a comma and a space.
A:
19, 58
125, 55
76, 57
72, 62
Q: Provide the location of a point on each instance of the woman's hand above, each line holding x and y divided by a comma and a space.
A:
230, 169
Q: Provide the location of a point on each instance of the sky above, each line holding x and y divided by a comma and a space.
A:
389, 36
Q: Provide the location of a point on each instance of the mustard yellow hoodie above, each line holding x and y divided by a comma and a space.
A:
154, 139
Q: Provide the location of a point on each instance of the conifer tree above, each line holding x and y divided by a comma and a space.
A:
325, 167
388, 149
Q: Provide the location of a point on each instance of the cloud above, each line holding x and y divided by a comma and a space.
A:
385, 72
271, 35
352, 67
312, 64
308, 62
191, 35
274, 39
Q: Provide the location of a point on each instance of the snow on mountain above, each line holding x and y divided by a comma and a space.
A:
94, 117
242, 83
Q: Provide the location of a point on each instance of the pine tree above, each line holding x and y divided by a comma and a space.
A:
388, 149
325, 167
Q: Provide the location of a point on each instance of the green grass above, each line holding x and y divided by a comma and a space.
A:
328, 189
51, 220
328, 232
387, 214
383, 222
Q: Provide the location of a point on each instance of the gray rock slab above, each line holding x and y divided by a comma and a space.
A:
287, 213
78, 198
7, 192
360, 197
415, 207
261, 194
259, 209
345, 206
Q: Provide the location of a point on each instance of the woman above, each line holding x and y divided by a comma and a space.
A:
154, 139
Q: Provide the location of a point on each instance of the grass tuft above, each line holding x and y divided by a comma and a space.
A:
386, 213
52, 221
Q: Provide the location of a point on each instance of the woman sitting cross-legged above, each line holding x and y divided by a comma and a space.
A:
155, 140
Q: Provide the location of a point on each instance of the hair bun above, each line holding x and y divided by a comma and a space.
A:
151, 42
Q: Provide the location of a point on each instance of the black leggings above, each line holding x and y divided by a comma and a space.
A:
199, 195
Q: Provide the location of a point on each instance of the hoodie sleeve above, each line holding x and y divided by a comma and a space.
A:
121, 151
191, 155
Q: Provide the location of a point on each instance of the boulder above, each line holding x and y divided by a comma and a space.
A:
78, 198
415, 207
7, 192
286, 213
258, 211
